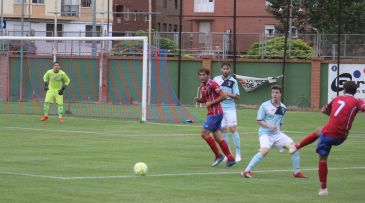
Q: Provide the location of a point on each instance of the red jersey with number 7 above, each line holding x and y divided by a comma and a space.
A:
343, 111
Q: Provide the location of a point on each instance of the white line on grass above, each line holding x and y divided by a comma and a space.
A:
121, 134
165, 175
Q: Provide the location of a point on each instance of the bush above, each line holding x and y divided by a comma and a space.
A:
275, 49
131, 48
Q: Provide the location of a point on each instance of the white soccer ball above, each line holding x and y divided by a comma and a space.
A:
140, 168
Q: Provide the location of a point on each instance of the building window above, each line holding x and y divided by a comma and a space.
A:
69, 8
206, 6
269, 30
159, 27
89, 31
164, 3
122, 11
176, 4
38, 1
50, 30
85, 3
175, 28
164, 27
170, 28
204, 30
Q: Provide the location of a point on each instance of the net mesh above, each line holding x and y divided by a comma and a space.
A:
106, 81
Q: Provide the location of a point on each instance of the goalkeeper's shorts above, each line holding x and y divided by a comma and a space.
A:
52, 96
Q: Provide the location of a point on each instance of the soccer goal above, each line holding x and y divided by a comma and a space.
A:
109, 76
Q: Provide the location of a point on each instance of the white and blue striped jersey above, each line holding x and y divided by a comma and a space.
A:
272, 115
230, 85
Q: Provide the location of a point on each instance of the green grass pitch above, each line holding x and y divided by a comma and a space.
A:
91, 160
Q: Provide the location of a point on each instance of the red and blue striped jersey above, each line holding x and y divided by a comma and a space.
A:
210, 91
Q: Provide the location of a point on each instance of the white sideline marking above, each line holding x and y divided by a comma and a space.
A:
121, 134
164, 175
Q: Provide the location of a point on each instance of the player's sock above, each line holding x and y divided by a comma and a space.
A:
226, 151
296, 162
237, 143
322, 172
213, 146
307, 140
225, 137
46, 108
254, 161
60, 110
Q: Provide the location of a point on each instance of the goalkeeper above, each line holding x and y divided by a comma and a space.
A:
55, 83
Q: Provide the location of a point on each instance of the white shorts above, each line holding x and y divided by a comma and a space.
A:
279, 141
229, 119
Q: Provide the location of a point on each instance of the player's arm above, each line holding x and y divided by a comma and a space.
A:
327, 109
361, 105
235, 92
66, 82
260, 119
46, 81
199, 100
222, 96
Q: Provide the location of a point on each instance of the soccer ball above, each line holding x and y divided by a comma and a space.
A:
140, 168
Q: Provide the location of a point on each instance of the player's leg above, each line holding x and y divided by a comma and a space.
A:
232, 124
265, 145
224, 146
309, 139
216, 129
324, 146
47, 101
224, 128
59, 101
283, 141
210, 141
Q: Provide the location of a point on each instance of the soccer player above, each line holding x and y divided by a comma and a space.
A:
55, 83
270, 118
230, 88
212, 94
342, 111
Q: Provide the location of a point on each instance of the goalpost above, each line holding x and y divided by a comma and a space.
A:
110, 78
7, 39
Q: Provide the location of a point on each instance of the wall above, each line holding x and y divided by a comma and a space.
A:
297, 82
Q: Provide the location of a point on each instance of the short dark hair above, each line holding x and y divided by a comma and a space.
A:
204, 70
350, 87
226, 64
276, 87
56, 62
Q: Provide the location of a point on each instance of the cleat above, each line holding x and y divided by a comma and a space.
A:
323, 192
61, 120
230, 163
217, 161
238, 158
292, 148
44, 118
246, 174
225, 158
299, 175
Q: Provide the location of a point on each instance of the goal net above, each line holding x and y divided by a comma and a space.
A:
110, 78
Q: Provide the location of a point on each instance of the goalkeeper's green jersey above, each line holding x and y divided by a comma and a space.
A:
56, 80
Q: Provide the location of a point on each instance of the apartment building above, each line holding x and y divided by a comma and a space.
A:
74, 17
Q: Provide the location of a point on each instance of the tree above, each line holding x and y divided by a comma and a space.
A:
320, 14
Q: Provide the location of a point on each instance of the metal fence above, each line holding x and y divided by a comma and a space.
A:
213, 44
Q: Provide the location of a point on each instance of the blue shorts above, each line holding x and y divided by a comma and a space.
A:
325, 144
213, 123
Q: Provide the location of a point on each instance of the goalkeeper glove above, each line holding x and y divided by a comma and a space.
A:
60, 92
46, 86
